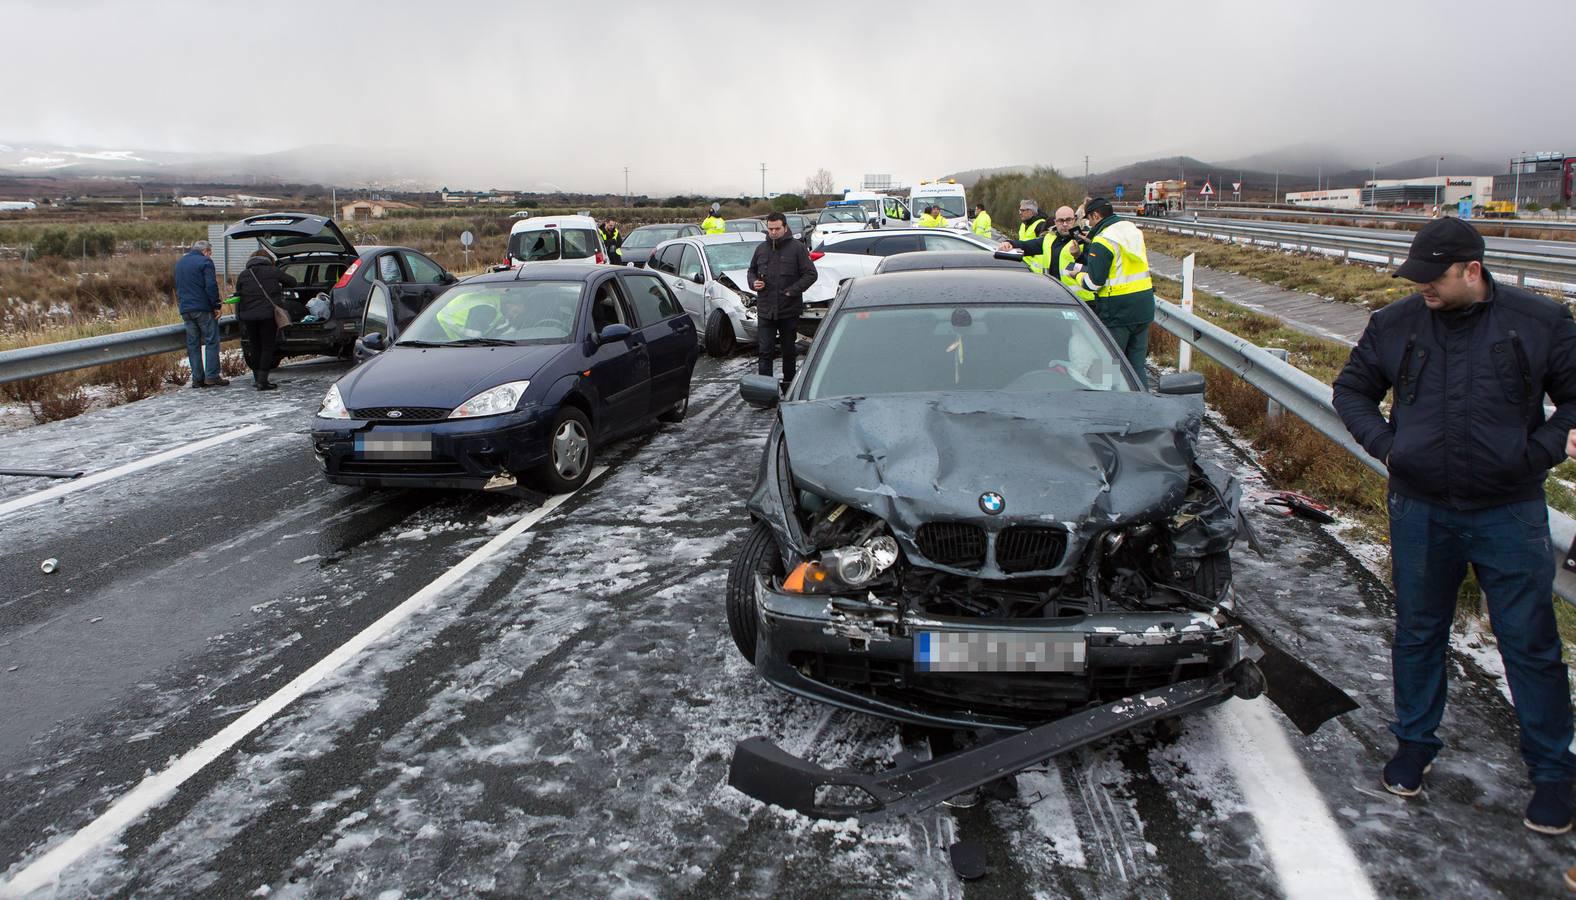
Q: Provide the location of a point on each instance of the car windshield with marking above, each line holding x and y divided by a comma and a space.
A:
511, 312
727, 257
1005, 347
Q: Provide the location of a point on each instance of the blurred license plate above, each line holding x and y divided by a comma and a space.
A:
997, 651
394, 446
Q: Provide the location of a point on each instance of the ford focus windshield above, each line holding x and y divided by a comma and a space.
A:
512, 312
903, 350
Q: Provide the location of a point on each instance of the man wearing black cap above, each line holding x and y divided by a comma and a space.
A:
1468, 446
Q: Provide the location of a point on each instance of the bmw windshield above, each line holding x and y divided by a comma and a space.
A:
508, 312
917, 349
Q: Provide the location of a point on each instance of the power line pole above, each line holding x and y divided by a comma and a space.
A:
763, 181
1086, 175
626, 185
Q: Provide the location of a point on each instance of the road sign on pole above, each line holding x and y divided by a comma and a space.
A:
1207, 190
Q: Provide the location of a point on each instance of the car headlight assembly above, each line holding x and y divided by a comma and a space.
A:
492, 402
844, 568
333, 405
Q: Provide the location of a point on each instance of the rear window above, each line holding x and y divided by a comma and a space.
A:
642, 238
314, 274
552, 243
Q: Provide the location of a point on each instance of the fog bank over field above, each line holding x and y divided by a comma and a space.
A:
698, 96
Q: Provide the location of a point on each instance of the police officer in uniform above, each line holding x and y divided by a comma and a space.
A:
1115, 268
714, 223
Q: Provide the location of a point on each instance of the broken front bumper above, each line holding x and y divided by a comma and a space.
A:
861, 656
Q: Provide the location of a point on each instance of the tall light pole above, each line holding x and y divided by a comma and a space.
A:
626, 185
1515, 166
1086, 175
1373, 187
1277, 199
763, 181
1436, 182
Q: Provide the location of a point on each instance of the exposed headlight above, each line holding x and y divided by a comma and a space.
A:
844, 567
493, 401
333, 405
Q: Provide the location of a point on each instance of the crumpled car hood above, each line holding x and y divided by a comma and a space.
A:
1087, 459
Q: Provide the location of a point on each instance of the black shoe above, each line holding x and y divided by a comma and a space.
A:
268, 386
1403, 774
1549, 811
199, 384
218, 382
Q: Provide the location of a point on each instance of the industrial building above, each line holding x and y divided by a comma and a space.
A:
1541, 178
1336, 198
1426, 193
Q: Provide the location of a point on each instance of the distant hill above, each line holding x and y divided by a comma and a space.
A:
968, 177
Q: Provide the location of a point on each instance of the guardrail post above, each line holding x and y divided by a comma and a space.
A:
1185, 349
1272, 411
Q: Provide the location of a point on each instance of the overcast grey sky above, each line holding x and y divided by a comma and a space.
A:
697, 95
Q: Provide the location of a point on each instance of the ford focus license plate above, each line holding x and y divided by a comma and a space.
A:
394, 446
998, 651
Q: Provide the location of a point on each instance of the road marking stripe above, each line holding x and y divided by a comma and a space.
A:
155, 789
1306, 846
98, 478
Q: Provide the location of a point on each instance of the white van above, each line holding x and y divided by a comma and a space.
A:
555, 239
947, 196
882, 210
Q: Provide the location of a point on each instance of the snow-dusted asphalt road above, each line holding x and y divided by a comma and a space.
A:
557, 718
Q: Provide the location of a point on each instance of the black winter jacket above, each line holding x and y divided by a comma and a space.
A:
1466, 427
260, 286
786, 268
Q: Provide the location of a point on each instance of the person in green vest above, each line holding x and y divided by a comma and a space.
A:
1115, 266
612, 240
930, 218
1064, 247
1031, 225
982, 222
714, 223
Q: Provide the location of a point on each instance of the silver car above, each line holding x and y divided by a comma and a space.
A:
708, 275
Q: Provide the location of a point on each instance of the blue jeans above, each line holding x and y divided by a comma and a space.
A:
202, 333
1508, 547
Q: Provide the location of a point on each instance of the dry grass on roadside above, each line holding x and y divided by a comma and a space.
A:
135, 379
1350, 283
49, 398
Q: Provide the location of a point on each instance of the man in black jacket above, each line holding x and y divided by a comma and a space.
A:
780, 272
1468, 446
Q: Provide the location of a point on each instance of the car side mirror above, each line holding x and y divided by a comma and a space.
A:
1182, 383
698, 278
447, 278
614, 332
760, 391
373, 341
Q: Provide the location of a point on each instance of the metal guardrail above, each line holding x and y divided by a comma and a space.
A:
64, 356
1355, 217
1310, 399
1390, 250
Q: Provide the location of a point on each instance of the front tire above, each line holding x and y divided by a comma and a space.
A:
677, 411
570, 452
760, 555
720, 339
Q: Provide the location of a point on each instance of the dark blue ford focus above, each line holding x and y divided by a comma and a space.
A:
519, 374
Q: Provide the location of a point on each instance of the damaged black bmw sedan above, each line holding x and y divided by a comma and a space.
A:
969, 514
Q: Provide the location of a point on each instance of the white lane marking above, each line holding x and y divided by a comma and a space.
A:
1306, 846
97, 478
155, 789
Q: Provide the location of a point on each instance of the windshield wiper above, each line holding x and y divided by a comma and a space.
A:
481, 342
415, 343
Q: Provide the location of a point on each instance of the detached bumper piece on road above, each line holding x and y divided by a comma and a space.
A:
764, 771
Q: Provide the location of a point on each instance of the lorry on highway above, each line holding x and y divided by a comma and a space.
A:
947, 196
1497, 209
1162, 198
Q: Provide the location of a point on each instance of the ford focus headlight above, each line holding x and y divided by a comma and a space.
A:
493, 401
333, 405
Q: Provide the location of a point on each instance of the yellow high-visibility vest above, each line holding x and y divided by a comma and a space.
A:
982, 224
714, 225
926, 220
1129, 260
1073, 283
1038, 261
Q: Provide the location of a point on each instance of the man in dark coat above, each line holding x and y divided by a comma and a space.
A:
261, 289
780, 272
197, 290
1468, 446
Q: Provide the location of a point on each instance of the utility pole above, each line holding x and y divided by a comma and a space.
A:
1277, 198
1373, 187
141, 213
1436, 182
763, 181
1515, 166
626, 185
1086, 175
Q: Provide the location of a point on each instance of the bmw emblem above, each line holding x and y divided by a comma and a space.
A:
992, 503
395, 414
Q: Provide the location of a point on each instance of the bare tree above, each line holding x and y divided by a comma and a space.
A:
821, 182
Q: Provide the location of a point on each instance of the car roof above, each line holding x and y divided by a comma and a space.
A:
537, 222
936, 260
945, 287
884, 232
659, 225
550, 271
728, 237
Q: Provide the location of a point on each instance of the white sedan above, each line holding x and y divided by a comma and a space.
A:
708, 275
839, 257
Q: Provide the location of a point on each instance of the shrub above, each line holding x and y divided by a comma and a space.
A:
788, 202
134, 379
1001, 194
48, 398
232, 363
